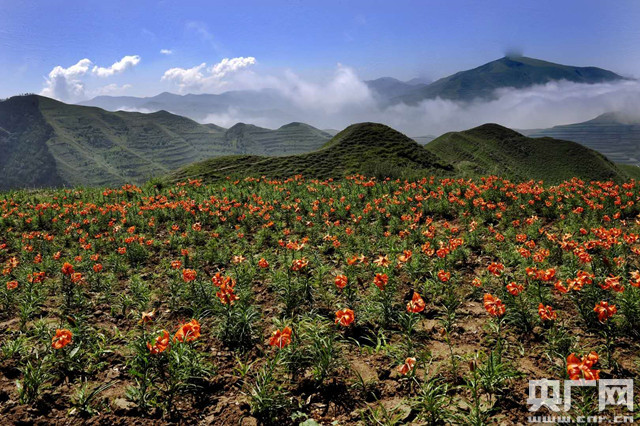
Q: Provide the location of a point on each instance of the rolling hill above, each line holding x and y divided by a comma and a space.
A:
44, 142
493, 149
368, 148
613, 134
511, 71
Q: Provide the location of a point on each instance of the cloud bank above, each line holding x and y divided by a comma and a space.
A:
345, 99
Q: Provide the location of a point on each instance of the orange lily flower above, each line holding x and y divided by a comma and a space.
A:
515, 289
188, 332
345, 317
67, 268
578, 368
494, 305
605, 311
382, 261
61, 339
381, 280
341, 281
547, 313
188, 275
408, 365
444, 276
495, 268
299, 264
161, 344
281, 338
405, 256
146, 317
416, 304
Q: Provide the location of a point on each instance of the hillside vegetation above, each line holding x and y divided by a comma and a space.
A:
493, 149
612, 134
367, 148
44, 142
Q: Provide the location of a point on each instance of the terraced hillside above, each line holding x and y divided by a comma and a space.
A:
615, 136
78, 145
368, 148
493, 149
293, 138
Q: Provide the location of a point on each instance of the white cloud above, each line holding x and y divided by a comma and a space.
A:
201, 78
67, 84
166, 51
64, 83
227, 65
118, 67
345, 90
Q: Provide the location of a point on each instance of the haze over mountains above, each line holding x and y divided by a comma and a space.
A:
515, 91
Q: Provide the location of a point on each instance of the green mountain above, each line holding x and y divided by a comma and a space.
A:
493, 149
615, 135
44, 142
292, 138
368, 148
511, 71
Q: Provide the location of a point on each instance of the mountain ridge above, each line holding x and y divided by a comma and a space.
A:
81, 145
466, 85
510, 71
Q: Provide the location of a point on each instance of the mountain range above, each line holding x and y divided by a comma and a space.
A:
44, 142
269, 105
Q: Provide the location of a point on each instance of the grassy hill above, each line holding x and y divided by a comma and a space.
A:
368, 148
612, 134
516, 72
44, 142
493, 149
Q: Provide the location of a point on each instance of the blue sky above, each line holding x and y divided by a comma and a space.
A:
403, 39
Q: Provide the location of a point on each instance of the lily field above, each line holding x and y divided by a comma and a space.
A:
298, 301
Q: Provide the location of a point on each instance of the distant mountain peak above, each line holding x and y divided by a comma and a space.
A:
617, 117
510, 71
